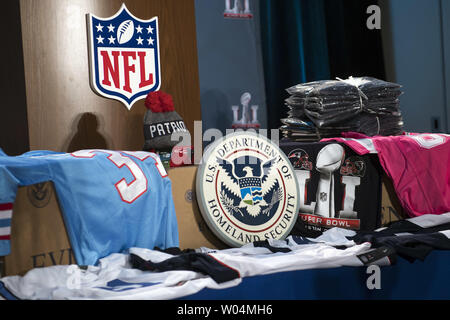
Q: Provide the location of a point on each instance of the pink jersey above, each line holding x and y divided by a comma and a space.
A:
418, 165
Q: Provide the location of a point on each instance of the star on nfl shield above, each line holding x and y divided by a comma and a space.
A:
124, 56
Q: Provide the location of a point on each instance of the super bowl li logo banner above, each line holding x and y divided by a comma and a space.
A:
322, 212
124, 56
247, 189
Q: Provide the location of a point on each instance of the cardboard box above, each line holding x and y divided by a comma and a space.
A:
391, 209
39, 236
192, 229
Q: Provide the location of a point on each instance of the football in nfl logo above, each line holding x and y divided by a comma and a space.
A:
246, 189
124, 56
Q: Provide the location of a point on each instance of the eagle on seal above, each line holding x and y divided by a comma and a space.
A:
248, 180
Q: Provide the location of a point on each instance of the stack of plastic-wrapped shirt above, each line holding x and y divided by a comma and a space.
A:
326, 108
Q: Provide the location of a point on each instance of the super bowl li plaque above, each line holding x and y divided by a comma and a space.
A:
247, 189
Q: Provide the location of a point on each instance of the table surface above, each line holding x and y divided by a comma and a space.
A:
422, 280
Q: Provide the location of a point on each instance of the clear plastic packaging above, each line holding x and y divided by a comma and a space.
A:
362, 104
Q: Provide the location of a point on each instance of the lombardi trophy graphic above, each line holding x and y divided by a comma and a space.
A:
249, 118
329, 159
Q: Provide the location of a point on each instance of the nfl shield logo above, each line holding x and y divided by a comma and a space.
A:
124, 56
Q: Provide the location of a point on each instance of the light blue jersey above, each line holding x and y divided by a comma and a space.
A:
110, 200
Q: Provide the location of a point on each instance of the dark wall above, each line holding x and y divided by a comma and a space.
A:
353, 49
13, 116
230, 63
310, 40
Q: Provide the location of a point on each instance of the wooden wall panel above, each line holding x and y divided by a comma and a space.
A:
64, 114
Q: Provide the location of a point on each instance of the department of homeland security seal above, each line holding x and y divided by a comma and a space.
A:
246, 189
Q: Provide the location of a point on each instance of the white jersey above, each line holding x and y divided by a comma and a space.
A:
114, 278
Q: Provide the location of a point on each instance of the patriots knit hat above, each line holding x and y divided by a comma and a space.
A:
160, 121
